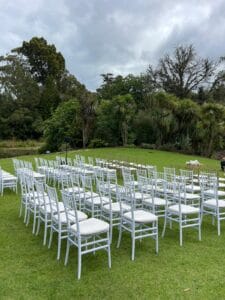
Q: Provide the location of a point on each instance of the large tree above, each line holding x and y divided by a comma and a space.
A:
43, 58
181, 73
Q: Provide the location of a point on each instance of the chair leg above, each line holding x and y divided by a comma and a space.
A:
25, 214
28, 218
38, 225
50, 238
199, 229
67, 252
45, 231
21, 209
120, 235
109, 250
79, 261
164, 226
59, 245
181, 233
110, 231
157, 240
218, 225
34, 222
133, 246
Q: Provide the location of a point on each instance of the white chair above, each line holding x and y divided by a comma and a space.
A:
212, 204
58, 220
92, 200
188, 176
88, 236
33, 203
44, 209
185, 215
155, 202
7, 180
139, 222
110, 212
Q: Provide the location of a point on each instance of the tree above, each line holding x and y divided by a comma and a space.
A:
87, 103
181, 73
44, 60
124, 111
211, 128
113, 86
20, 97
63, 123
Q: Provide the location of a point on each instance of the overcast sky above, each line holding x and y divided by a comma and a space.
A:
118, 36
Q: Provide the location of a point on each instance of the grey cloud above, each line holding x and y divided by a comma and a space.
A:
100, 36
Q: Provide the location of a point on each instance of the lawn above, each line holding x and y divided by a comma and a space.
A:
30, 271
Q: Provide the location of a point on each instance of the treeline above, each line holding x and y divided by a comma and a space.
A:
179, 105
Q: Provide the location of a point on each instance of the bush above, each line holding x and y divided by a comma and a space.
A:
148, 146
97, 143
167, 147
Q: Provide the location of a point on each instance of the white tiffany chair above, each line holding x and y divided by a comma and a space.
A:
44, 209
88, 236
32, 200
155, 202
183, 214
58, 218
191, 186
92, 200
212, 204
139, 222
110, 212
7, 180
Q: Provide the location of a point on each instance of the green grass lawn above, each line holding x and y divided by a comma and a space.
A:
28, 270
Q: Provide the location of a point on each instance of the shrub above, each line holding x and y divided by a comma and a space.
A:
97, 143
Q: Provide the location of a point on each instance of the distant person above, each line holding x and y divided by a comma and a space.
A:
222, 163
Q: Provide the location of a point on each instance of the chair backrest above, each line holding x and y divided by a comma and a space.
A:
141, 172
70, 210
91, 160
40, 189
187, 174
87, 183
143, 183
30, 188
64, 178
111, 176
171, 171
99, 174
170, 177
53, 201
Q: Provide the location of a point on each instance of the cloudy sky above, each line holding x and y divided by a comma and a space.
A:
118, 36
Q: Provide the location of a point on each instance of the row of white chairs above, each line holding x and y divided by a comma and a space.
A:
7, 180
132, 207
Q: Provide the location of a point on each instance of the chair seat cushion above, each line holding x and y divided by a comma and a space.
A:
157, 201
91, 226
211, 192
74, 189
185, 209
193, 188
81, 216
47, 208
115, 206
97, 200
212, 203
189, 196
89, 194
141, 216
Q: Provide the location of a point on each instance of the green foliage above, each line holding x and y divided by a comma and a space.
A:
97, 143
44, 60
181, 73
63, 123
114, 119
